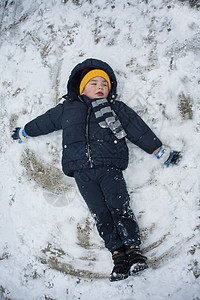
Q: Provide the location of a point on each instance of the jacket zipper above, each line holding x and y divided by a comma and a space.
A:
87, 138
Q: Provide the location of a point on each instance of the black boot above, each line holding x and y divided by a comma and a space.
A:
137, 261
121, 267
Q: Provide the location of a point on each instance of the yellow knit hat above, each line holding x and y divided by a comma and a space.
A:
91, 74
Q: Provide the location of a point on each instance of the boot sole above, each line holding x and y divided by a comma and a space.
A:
136, 268
118, 277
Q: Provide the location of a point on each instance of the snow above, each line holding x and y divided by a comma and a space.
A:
49, 245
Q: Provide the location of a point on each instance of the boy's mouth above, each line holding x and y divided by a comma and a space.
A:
99, 94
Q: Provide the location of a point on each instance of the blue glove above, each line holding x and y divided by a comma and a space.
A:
168, 156
19, 134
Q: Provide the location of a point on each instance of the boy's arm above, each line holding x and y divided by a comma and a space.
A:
141, 135
43, 124
138, 132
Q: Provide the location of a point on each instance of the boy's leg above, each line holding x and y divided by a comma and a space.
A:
87, 182
118, 201
114, 218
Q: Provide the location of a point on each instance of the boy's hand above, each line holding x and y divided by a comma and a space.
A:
168, 156
176, 158
19, 134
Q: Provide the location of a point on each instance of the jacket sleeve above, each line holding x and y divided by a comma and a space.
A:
138, 132
45, 123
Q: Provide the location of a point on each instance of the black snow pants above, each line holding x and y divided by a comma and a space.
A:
105, 193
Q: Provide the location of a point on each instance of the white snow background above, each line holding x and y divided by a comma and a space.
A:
49, 246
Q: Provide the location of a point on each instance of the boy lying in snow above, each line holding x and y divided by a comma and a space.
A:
95, 128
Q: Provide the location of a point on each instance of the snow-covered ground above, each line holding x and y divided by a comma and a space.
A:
49, 246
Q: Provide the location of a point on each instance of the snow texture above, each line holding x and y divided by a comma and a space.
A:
49, 245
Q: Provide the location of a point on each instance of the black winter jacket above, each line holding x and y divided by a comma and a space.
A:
85, 143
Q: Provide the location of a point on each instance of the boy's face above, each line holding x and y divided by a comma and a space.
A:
97, 87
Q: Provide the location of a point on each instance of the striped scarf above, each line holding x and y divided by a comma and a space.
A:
107, 118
